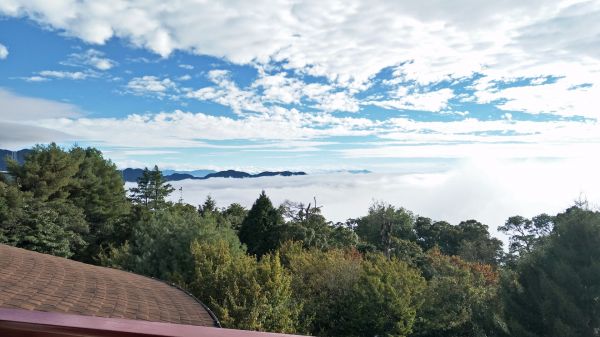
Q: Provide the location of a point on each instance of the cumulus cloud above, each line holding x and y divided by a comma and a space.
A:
391, 138
3, 52
47, 75
226, 92
350, 42
91, 57
186, 129
434, 101
152, 86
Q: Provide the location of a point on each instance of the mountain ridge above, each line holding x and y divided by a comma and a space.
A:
132, 174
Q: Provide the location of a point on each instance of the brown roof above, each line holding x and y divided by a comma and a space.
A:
40, 282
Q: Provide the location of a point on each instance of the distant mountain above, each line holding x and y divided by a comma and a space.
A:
278, 173
18, 155
132, 175
359, 171
194, 173
228, 174
179, 176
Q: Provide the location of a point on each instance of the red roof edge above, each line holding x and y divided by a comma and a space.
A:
18, 322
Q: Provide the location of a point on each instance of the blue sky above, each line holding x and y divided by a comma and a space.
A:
303, 85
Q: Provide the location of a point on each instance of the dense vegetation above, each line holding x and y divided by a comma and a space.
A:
287, 269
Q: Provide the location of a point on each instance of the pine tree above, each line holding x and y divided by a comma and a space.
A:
260, 229
151, 190
47, 172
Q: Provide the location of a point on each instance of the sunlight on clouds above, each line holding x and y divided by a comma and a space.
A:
488, 190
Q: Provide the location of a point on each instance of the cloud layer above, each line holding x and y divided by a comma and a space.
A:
489, 191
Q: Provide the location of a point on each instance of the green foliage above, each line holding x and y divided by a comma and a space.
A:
97, 189
151, 190
525, 234
234, 215
347, 295
160, 244
470, 240
243, 292
46, 173
460, 299
261, 229
73, 196
554, 290
383, 225
476, 244
438, 234
53, 228
309, 226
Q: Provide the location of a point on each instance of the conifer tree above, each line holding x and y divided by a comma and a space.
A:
260, 229
152, 189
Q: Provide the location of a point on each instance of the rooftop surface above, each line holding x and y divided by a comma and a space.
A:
40, 282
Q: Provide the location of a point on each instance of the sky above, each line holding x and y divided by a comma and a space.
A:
394, 87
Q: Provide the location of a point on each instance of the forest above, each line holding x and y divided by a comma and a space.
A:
286, 268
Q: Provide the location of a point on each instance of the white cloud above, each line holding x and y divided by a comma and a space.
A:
71, 75
91, 57
186, 66
47, 75
229, 94
21, 113
3, 52
394, 138
565, 97
36, 79
185, 129
151, 85
504, 188
275, 89
18, 108
434, 101
348, 41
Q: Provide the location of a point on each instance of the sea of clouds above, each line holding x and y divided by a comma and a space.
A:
488, 191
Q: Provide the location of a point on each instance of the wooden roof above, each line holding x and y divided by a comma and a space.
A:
40, 282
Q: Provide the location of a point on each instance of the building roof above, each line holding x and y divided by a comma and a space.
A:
40, 282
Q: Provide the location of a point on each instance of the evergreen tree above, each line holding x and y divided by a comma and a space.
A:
555, 290
209, 206
152, 189
46, 173
97, 188
234, 215
260, 230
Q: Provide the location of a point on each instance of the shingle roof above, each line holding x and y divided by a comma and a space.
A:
40, 282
